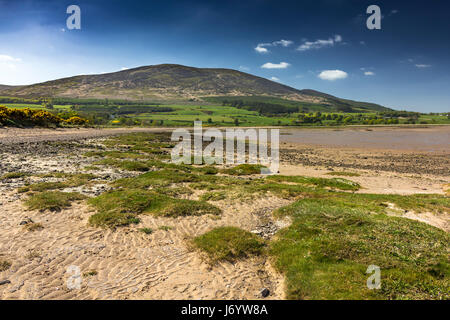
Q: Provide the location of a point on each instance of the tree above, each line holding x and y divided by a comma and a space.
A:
236, 122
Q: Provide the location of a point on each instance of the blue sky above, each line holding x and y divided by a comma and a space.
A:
326, 45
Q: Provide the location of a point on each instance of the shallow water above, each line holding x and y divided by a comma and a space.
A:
432, 139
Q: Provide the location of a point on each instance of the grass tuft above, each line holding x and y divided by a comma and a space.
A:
14, 175
146, 230
343, 174
229, 243
121, 207
52, 200
244, 169
4, 265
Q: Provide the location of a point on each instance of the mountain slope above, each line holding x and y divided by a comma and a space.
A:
169, 82
161, 81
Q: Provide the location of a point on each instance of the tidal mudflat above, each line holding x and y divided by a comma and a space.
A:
115, 213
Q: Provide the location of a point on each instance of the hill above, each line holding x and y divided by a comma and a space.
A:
169, 82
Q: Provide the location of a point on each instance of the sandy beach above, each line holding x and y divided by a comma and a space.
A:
131, 265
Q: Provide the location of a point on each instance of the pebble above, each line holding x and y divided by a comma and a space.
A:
264, 292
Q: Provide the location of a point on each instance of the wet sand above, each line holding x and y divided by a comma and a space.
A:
422, 139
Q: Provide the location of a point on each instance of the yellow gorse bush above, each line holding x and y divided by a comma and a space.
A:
77, 121
29, 116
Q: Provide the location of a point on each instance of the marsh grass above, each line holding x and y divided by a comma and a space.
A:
14, 175
244, 169
146, 230
121, 207
160, 178
52, 200
128, 165
113, 219
214, 196
90, 273
73, 180
229, 244
4, 265
343, 174
324, 254
115, 154
333, 183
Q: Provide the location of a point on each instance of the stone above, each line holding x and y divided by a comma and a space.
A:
2, 282
264, 292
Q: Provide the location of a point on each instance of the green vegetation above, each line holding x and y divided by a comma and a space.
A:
324, 254
227, 111
52, 200
244, 169
146, 230
229, 243
343, 174
121, 207
90, 273
35, 117
124, 165
14, 175
334, 236
333, 183
73, 180
113, 219
4, 265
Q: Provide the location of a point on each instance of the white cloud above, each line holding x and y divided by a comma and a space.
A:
261, 47
270, 65
393, 12
332, 75
284, 43
244, 68
308, 45
6, 58
124, 68
369, 73
8, 62
274, 79
421, 66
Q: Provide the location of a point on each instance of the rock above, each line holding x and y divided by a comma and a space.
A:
2, 282
25, 221
264, 292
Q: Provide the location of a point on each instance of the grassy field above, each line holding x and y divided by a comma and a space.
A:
263, 111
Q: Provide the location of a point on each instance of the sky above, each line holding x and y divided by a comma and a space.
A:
323, 45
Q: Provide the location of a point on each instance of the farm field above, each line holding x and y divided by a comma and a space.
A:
172, 115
